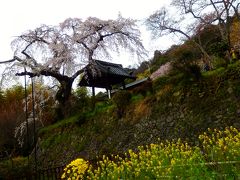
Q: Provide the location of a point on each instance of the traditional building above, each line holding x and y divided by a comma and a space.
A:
103, 74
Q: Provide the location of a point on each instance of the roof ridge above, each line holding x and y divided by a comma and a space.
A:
108, 63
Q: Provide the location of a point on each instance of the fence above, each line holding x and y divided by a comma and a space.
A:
220, 168
46, 174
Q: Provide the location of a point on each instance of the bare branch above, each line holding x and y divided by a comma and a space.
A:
7, 61
76, 74
203, 12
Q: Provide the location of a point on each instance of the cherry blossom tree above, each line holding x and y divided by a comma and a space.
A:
60, 52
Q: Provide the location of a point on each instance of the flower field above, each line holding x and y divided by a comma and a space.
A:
216, 156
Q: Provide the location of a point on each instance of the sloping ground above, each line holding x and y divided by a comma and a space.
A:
178, 108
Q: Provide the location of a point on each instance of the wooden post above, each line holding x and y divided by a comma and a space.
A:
123, 84
93, 97
108, 84
109, 93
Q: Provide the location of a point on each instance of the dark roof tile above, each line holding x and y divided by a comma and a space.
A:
109, 74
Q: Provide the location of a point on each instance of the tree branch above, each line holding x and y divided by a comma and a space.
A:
30, 74
54, 74
173, 30
8, 61
76, 74
15, 58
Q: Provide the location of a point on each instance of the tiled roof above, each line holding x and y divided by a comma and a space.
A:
104, 74
112, 68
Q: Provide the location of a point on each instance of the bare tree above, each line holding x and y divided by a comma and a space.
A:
60, 51
192, 16
208, 12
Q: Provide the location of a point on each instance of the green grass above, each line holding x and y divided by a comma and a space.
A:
137, 98
100, 107
215, 72
59, 124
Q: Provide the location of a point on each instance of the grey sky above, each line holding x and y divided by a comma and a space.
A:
17, 16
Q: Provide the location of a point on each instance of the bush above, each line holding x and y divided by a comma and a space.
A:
121, 99
218, 62
185, 60
144, 88
218, 48
78, 102
13, 168
194, 71
190, 71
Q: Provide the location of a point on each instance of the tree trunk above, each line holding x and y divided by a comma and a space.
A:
206, 57
64, 93
63, 97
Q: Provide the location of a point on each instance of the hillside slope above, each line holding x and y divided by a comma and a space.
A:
177, 108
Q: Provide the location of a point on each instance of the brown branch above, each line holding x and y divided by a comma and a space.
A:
173, 30
51, 73
15, 58
8, 61
27, 55
30, 74
77, 73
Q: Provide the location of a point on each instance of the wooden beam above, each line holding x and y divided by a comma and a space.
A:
109, 93
93, 98
124, 85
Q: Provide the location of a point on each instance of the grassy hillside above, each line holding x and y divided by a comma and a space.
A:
178, 107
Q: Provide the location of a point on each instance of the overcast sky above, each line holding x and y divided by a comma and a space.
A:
17, 16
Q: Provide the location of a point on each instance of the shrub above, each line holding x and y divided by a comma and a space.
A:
218, 48
121, 99
185, 60
144, 88
194, 71
13, 168
218, 62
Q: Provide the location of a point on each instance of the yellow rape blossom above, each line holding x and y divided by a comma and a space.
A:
163, 160
75, 170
